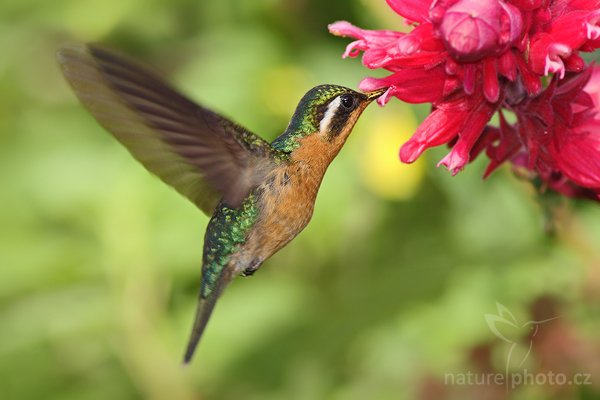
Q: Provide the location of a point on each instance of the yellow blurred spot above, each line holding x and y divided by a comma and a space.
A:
381, 169
283, 86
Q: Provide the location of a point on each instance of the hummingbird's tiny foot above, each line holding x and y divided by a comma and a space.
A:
252, 268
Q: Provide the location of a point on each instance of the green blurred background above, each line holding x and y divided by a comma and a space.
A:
381, 297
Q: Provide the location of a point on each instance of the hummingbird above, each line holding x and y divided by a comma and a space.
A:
260, 195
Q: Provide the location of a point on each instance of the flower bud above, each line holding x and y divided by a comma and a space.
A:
474, 29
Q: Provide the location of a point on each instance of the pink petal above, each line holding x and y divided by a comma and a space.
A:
456, 160
491, 86
381, 47
353, 49
438, 128
532, 82
593, 86
413, 10
512, 23
506, 66
546, 55
488, 137
579, 158
576, 147
346, 29
508, 145
419, 48
528, 5
575, 63
412, 86
445, 122
570, 29
592, 31
470, 78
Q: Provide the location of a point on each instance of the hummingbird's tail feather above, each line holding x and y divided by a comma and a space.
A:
203, 313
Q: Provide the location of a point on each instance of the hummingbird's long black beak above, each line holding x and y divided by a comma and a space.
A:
375, 94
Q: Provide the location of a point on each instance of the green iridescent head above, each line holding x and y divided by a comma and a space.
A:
323, 109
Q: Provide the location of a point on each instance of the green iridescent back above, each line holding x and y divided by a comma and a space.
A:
226, 231
309, 112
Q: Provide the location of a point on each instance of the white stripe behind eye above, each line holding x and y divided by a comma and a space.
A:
329, 114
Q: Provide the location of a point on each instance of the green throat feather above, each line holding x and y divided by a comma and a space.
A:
305, 120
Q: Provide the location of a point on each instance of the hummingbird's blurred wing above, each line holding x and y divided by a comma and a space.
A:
203, 155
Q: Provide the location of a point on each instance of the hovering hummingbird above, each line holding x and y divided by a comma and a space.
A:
260, 195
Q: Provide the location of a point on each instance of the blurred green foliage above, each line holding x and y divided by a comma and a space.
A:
382, 295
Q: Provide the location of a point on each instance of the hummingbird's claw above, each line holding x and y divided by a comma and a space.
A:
252, 268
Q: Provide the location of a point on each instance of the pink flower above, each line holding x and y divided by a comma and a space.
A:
471, 58
556, 137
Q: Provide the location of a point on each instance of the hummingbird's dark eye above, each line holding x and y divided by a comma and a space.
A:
347, 101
